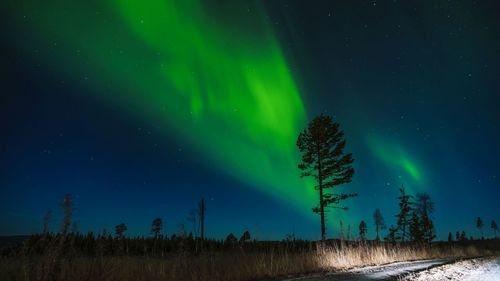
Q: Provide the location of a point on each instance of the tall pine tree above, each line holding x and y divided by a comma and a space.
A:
428, 230
362, 230
416, 233
379, 222
322, 146
424, 208
494, 226
391, 236
403, 218
479, 225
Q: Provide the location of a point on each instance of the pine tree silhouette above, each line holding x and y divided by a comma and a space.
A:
479, 225
424, 207
379, 222
322, 147
463, 237
416, 231
156, 227
494, 226
362, 230
120, 230
403, 218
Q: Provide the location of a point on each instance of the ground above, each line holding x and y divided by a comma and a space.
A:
486, 269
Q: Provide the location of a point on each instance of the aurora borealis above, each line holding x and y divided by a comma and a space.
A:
140, 109
188, 79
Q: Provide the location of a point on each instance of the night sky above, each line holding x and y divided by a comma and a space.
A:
140, 109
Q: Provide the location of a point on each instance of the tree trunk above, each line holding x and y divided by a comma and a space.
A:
321, 205
202, 222
322, 214
404, 231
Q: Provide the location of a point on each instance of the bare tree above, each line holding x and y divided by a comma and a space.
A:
46, 221
192, 218
68, 212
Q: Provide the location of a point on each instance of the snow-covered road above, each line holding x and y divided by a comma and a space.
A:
480, 269
381, 272
485, 269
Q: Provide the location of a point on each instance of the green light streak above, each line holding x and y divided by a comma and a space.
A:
396, 157
411, 168
223, 90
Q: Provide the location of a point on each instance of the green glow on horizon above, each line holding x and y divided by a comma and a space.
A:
225, 91
395, 156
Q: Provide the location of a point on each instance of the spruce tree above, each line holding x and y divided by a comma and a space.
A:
463, 237
245, 237
156, 227
231, 240
416, 234
479, 225
403, 218
379, 222
424, 208
494, 226
201, 213
46, 222
120, 230
362, 230
391, 236
428, 230
322, 146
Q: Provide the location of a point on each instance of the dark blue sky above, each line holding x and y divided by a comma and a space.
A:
419, 77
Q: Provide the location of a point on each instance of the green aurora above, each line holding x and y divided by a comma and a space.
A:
139, 109
399, 160
225, 91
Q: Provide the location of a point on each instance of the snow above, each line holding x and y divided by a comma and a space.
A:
381, 272
478, 269
395, 269
483, 269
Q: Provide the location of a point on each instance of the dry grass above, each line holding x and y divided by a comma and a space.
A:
355, 256
220, 266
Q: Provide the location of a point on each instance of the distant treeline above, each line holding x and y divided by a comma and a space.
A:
91, 245
106, 245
